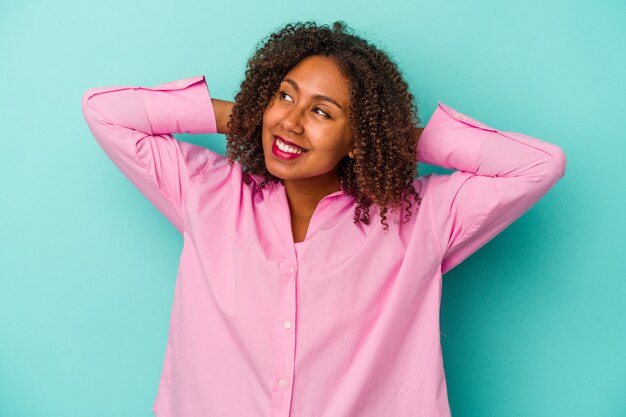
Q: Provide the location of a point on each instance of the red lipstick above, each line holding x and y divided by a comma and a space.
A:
284, 155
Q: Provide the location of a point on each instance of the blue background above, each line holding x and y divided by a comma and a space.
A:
533, 324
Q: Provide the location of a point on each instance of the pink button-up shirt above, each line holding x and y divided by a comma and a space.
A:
342, 324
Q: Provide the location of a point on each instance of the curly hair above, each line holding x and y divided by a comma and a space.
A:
382, 114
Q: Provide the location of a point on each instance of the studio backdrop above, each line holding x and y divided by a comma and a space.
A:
531, 325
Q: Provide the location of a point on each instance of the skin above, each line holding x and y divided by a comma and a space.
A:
317, 125
297, 116
223, 110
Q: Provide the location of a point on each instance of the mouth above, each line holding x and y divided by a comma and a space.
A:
286, 150
288, 146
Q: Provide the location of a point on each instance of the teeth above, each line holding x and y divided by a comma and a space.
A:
286, 148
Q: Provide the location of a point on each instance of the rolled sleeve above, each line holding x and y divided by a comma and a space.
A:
134, 126
499, 176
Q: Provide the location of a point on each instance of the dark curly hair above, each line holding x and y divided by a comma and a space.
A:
382, 114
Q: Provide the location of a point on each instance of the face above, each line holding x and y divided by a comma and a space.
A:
310, 110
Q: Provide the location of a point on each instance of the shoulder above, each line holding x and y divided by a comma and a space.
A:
220, 176
422, 183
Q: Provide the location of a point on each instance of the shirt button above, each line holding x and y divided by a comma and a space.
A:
282, 382
291, 268
288, 324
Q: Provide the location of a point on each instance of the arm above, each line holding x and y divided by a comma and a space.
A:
417, 131
133, 125
223, 110
500, 176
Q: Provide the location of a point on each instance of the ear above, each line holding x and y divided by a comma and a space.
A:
351, 154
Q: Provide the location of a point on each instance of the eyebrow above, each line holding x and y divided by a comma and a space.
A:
315, 97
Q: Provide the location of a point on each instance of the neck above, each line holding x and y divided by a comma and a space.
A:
304, 195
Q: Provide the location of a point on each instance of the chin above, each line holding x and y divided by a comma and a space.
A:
272, 171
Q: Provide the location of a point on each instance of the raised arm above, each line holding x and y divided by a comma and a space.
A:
500, 176
133, 125
223, 110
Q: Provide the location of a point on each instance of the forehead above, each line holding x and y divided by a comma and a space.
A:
321, 75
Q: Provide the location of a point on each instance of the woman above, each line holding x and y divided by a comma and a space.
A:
295, 296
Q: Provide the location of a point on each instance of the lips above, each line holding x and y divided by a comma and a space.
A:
290, 143
284, 155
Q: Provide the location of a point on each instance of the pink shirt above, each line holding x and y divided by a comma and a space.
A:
343, 324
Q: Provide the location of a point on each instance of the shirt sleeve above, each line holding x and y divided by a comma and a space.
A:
499, 176
133, 125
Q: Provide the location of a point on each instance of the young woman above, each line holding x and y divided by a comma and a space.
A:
296, 296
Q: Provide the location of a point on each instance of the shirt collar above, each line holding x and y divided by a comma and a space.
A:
259, 179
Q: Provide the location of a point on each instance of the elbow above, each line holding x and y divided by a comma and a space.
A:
93, 116
559, 162
86, 96
88, 110
94, 109
551, 170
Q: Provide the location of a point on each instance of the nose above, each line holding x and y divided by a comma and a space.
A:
292, 120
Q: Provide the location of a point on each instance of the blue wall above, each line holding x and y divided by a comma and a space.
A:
532, 324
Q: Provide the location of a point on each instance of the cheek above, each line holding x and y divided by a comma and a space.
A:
271, 111
266, 117
267, 122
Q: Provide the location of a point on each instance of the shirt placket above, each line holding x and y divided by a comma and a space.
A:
284, 359
283, 370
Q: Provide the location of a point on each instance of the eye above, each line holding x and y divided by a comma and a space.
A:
323, 113
281, 94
